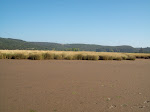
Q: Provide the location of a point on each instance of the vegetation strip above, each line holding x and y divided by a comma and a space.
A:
69, 55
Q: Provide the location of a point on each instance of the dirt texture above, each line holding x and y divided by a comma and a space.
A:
74, 86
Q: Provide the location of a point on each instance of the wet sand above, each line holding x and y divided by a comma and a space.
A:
74, 86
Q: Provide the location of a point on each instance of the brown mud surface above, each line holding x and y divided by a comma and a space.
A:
74, 86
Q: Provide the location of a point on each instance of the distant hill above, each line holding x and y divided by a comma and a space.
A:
12, 44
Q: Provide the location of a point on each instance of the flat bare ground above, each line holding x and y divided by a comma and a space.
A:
74, 86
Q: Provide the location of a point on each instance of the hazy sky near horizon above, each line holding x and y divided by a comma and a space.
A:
103, 22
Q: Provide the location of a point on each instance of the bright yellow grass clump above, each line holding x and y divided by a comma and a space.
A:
69, 55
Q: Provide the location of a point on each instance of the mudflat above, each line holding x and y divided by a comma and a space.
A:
74, 86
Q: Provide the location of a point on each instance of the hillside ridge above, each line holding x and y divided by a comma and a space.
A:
13, 44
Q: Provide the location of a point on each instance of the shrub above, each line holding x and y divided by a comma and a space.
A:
103, 57
143, 57
124, 57
64, 56
110, 58
93, 57
48, 56
1, 56
89, 57
138, 56
69, 57
17, 56
147, 57
4, 56
58, 56
35, 56
130, 57
79, 56
117, 58
9, 56
74, 57
85, 57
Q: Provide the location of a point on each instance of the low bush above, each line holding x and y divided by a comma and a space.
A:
69, 57
17, 56
110, 58
93, 57
48, 56
130, 57
1, 56
58, 56
79, 56
102, 58
64, 56
35, 57
4, 56
105, 57
13, 56
85, 57
124, 57
74, 57
138, 56
9, 56
146, 57
118, 58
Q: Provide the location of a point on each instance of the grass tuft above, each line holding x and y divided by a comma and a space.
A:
117, 58
58, 56
93, 57
1, 56
48, 56
18, 56
130, 57
79, 57
105, 57
69, 57
35, 57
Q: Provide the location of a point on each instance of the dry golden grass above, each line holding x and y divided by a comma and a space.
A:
69, 55
141, 55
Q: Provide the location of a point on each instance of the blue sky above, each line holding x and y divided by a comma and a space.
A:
103, 22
